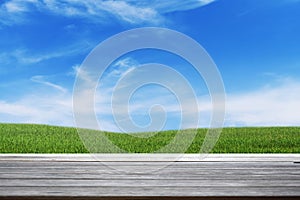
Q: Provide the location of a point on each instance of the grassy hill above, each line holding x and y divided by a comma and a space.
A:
29, 138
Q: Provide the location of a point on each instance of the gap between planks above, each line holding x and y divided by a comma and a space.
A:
294, 158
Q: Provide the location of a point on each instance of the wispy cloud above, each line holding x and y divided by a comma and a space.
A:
130, 11
121, 68
42, 80
25, 56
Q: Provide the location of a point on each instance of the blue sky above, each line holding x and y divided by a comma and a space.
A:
254, 43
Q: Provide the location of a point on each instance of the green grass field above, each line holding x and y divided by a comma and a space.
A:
28, 138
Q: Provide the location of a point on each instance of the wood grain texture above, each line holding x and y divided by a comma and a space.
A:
217, 176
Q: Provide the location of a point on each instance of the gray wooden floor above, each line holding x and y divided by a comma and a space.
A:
144, 176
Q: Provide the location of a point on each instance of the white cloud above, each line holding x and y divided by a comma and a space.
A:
173, 5
277, 105
13, 7
130, 11
38, 108
11, 12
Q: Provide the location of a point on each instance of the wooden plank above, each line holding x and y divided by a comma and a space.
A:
50, 176
147, 183
27, 167
150, 191
175, 172
83, 176
149, 198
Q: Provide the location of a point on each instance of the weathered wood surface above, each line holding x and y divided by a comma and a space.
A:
216, 175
